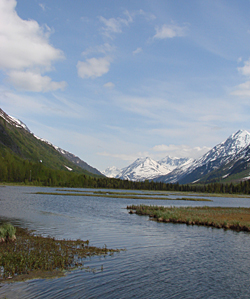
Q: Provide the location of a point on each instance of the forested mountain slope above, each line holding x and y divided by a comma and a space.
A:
16, 139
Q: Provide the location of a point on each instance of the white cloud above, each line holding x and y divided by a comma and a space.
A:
42, 6
114, 25
169, 31
243, 89
109, 85
123, 157
93, 67
137, 51
181, 150
148, 16
245, 70
32, 81
104, 49
24, 44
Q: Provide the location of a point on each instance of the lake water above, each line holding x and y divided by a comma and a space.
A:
161, 260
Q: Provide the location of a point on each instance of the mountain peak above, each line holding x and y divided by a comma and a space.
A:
242, 135
13, 121
235, 142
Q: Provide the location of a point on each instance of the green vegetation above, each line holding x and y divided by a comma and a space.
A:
7, 232
122, 195
31, 256
227, 218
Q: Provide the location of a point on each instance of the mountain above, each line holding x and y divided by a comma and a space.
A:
145, 169
72, 158
16, 138
111, 172
172, 162
237, 169
219, 156
142, 169
77, 161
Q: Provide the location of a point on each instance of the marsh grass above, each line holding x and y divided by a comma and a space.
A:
7, 232
122, 195
227, 218
114, 193
32, 256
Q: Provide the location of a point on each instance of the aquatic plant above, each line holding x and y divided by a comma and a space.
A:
34, 255
7, 232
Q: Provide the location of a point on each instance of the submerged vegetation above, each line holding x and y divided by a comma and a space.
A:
227, 218
31, 256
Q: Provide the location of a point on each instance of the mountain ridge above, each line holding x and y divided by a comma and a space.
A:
17, 137
218, 156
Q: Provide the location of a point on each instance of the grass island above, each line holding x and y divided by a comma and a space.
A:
219, 217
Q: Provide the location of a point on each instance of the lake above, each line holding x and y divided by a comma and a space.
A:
162, 260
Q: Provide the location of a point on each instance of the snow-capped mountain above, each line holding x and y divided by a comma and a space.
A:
142, 169
111, 172
236, 169
221, 154
172, 162
145, 169
13, 121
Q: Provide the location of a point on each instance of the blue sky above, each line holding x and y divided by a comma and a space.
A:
111, 81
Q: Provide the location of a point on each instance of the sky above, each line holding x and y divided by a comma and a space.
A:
111, 81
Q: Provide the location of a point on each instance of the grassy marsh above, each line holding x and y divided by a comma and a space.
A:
122, 195
114, 193
31, 256
227, 218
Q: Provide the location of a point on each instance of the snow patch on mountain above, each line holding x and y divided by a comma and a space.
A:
70, 169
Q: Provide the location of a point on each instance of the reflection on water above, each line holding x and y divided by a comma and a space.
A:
161, 261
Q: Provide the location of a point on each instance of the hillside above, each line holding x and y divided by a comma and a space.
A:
16, 139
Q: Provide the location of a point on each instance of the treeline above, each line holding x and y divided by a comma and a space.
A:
16, 170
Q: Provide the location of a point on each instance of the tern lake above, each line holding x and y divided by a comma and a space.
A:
161, 260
